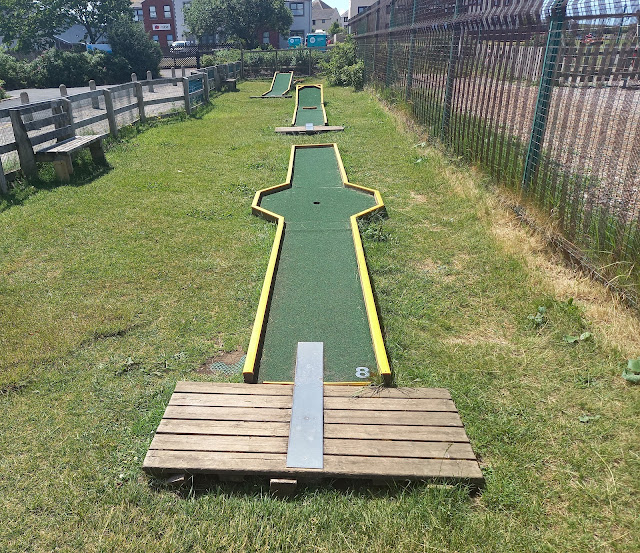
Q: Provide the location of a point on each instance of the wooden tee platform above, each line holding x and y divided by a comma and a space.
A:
237, 430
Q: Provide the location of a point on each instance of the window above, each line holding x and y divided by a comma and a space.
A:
313, 21
296, 32
137, 14
167, 12
169, 39
155, 38
297, 8
265, 37
324, 20
364, 8
152, 12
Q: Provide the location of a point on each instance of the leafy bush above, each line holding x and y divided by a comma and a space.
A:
342, 67
3, 94
220, 56
55, 67
13, 72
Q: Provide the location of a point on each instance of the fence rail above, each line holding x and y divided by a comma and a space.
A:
109, 109
543, 95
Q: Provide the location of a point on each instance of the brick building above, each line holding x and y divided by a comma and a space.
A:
158, 18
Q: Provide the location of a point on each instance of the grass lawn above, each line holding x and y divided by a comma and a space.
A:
115, 287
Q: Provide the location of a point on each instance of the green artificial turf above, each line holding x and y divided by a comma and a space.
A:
280, 86
309, 97
317, 295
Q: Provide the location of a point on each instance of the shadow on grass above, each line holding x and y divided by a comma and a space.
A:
84, 170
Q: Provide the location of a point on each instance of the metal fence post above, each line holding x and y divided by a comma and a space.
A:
387, 80
111, 116
558, 13
187, 100
412, 46
454, 51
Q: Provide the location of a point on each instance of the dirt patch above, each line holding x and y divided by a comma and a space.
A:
226, 361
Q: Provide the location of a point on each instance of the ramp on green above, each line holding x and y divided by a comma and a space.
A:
309, 108
280, 84
317, 295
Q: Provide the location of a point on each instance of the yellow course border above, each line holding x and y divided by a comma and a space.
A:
384, 370
274, 80
295, 111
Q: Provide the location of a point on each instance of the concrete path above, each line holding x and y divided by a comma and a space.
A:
43, 94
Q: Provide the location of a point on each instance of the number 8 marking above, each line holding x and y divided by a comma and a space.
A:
362, 372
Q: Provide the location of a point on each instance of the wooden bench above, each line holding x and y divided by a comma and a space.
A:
57, 115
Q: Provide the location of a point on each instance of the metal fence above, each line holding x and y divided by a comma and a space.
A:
109, 109
263, 63
543, 94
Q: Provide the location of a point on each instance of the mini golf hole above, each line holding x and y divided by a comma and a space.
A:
316, 203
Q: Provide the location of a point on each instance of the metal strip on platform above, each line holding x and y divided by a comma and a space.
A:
306, 430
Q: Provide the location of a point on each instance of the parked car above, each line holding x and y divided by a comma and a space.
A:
181, 45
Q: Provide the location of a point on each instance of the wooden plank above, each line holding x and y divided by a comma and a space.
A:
91, 120
303, 130
164, 100
390, 404
391, 432
46, 121
226, 428
6, 148
247, 444
408, 418
228, 413
35, 107
224, 400
121, 87
67, 147
122, 109
399, 449
274, 464
232, 388
84, 95
63, 132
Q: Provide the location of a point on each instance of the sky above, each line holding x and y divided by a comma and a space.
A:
341, 5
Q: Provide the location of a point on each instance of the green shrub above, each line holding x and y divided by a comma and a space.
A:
342, 67
56, 67
3, 94
13, 72
130, 42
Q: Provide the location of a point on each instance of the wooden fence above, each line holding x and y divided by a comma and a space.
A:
111, 108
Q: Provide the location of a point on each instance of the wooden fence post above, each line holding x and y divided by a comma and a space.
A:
205, 85
140, 97
134, 77
173, 76
150, 78
24, 99
25, 151
63, 91
3, 180
111, 116
242, 64
68, 108
95, 102
187, 101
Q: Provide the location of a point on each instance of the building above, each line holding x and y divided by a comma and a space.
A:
323, 16
358, 6
158, 18
301, 25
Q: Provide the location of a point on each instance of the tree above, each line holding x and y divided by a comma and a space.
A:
129, 41
242, 20
95, 16
335, 29
204, 17
32, 23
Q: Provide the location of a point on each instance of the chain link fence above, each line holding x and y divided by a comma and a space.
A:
545, 95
